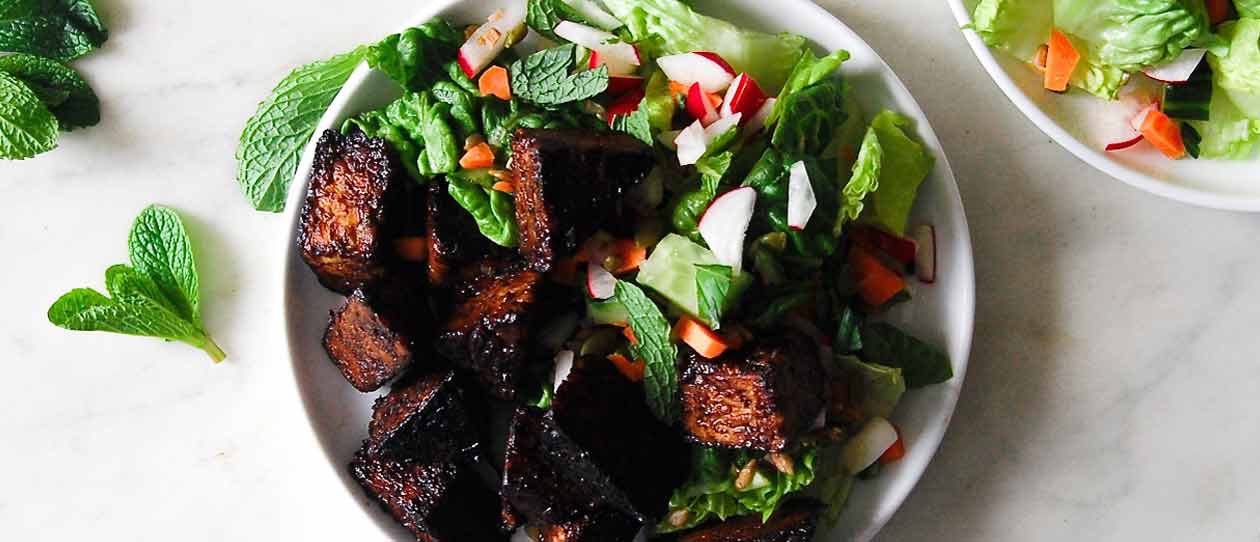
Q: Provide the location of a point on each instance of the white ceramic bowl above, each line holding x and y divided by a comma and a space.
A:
1221, 184
942, 313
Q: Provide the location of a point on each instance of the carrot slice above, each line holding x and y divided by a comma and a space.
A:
877, 284
676, 88
895, 452
633, 370
1061, 61
494, 82
629, 334
480, 156
629, 255
1164, 134
504, 186
700, 338
1218, 10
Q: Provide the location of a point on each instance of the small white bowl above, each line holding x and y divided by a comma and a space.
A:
942, 313
1222, 184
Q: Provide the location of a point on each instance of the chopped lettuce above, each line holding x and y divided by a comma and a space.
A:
1132, 34
808, 70
810, 118
659, 102
1238, 73
671, 271
905, 166
1019, 27
1248, 8
710, 493
1229, 134
865, 178
673, 27
494, 211
874, 389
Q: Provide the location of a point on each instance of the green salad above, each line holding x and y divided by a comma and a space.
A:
1185, 73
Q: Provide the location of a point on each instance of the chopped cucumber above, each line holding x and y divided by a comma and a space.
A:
671, 271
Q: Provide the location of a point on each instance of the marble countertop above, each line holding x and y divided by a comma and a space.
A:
1111, 393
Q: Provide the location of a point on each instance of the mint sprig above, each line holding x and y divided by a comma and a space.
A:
60, 29
544, 78
27, 127
652, 333
156, 296
66, 94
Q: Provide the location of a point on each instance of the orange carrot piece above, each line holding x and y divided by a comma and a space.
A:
700, 338
1061, 61
632, 370
504, 186
412, 249
1218, 11
629, 255
714, 99
676, 88
875, 281
480, 156
1164, 134
494, 82
629, 333
895, 452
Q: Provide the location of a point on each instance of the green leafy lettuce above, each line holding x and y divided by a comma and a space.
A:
654, 347
1132, 34
66, 94
865, 179
272, 142
494, 211
419, 127
874, 389
1249, 9
710, 493
544, 15
157, 296
58, 29
1238, 73
810, 117
545, 78
420, 56
672, 27
637, 124
921, 363
27, 127
808, 70
905, 165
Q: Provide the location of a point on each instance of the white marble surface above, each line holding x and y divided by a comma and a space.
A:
1111, 395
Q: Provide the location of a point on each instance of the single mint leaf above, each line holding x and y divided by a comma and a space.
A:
921, 363
713, 286
544, 78
272, 142
160, 249
59, 86
27, 127
652, 332
60, 29
637, 124
157, 298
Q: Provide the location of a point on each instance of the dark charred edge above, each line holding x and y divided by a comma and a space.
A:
794, 521
424, 419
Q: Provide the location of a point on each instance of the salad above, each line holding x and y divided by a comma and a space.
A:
1185, 73
665, 245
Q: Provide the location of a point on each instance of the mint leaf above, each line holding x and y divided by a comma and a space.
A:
27, 127
60, 29
637, 124
652, 332
544, 78
66, 94
160, 249
154, 297
921, 363
273, 139
713, 285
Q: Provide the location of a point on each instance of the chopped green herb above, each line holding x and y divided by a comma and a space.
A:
545, 78
652, 332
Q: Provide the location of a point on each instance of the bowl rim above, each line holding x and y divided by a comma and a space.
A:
931, 437
1099, 161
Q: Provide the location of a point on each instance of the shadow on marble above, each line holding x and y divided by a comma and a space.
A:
219, 272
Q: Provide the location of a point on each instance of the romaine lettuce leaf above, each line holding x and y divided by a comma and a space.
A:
810, 118
494, 211
1229, 134
1248, 8
1132, 34
711, 492
1238, 73
865, 178
904, 167
874, 389
1019, 27
673, 27
808, 70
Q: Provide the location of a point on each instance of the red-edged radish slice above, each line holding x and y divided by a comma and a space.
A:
717, 59
876, 437
692, 68
725, 223
1113, 127
744, 96
721, 126
1180, 69
564, 366
925, 258
1122, 145
758, 120
592, 12
624, 105
691, 144
902, 249
801, 199
1140, 117
608, 50
490, 39
699, 106
621, 84
600, 283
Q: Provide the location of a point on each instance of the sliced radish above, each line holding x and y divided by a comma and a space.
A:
876, 437
758, 120
699, 106
564, 366
592, 12
801, 199
691, 68
721, 126
608, 50
1180, 69
1140, 118
600, 283
902, 249
925, 258
1122, 145
691, 144
717, 59
724, 224
744, 96
621, 84
490, 39
626, 104
1118, 125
